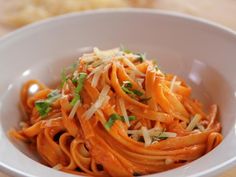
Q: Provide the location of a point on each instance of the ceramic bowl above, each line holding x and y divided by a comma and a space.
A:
203, 53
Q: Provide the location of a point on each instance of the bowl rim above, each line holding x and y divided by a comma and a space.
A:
24, 30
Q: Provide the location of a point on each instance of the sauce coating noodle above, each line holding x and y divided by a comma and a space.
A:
116, 114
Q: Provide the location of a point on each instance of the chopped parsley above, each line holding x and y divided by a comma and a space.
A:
141, 57
127, 88
64, 77
161, 136
138, 93
80, 81
44, 106
54, 93
115, 117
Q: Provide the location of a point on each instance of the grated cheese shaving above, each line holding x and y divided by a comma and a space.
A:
96, 78
172, 85
87, 58
23, 125
97, 69
201, 127
193, 122
169, 161
49, 122
146, 136
58, 167
74, 109
107, 67
106, 54
153, 132
140, 82
106, 100
98, 103
134, 132
65, 87
169, 134
132, 66
135, 137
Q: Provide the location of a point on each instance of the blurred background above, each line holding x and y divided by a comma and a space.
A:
18, 13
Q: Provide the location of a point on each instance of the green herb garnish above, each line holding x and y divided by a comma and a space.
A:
138, 93
115, 117
54, 93
127, 86
125, 50
160, 136
141, 57
157, 68
64, 77
74, 80
44, 106
80, 81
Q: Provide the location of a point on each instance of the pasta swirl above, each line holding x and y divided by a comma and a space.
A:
116, 114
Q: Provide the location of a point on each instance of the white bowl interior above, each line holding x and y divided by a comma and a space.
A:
202, 54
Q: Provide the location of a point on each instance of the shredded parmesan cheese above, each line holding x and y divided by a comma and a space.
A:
106, 100
193, 122
58, 167
87, 58
146, 136
99, 102
140, 82
172, 85
153, 132
133, 132
96, 78
135, 137
98, 69
169, 134
74, 109
132, 66
201, 127
23, 125
169, 161
98, 74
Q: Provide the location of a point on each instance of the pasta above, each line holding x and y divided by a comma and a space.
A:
116, 114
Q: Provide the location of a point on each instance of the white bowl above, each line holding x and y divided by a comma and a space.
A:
203, 53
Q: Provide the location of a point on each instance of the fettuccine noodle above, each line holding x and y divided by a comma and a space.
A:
116, 114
